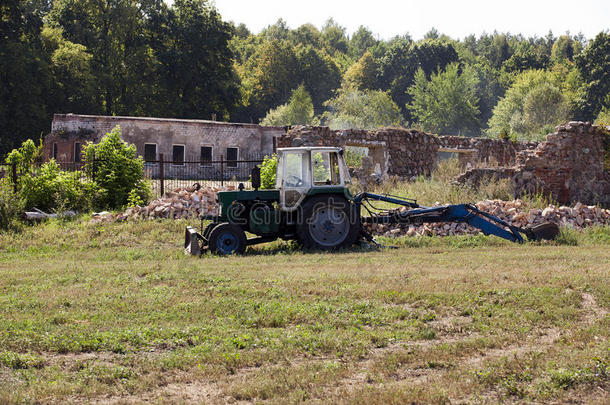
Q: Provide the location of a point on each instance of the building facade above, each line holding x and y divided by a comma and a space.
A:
178, 140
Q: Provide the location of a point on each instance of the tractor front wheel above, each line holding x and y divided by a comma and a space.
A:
328, 222
227, 239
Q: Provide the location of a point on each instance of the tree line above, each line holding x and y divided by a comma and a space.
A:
147, 58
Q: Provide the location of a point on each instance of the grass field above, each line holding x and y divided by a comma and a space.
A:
115, 313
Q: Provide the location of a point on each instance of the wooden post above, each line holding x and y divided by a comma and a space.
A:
222, 171
161, 175
274, 144
14, 170
93, 169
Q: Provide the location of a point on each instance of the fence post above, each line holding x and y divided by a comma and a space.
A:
93, 169
274, 144
222, 171
14, 170
161, 175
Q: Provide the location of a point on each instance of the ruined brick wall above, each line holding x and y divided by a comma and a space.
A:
68, 129
569, 166
397, 151
486, 150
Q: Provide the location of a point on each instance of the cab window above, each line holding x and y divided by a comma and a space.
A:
325, 169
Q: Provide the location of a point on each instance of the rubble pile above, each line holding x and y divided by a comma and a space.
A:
189, 202
514, 212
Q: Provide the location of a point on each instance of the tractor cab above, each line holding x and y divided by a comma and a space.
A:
305, 171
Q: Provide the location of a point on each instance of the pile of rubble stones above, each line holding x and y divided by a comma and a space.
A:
514, 212
189, 202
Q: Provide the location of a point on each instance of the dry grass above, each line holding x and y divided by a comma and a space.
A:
442, 188
117, 314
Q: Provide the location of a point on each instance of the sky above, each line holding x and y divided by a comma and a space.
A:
386, 18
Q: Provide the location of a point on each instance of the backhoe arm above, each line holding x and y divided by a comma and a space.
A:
468, 213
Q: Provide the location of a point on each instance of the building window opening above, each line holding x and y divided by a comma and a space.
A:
178, 155
206, 156
232, 155
77, 152
150, 152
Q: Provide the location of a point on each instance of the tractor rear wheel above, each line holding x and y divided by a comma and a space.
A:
227, 239
328, 222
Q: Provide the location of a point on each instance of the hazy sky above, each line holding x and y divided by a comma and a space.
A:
386, 18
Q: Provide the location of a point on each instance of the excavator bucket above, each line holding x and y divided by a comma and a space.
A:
191, 242
546, 231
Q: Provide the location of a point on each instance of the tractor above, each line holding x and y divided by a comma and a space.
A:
312, 204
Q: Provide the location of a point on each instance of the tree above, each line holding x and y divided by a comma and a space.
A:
526, 56
544, 105
268, 77
360, 42
276, 32
197, 63
112, 31
447, 103
533, 101
363, 74
333, 36
307, 34
24, 75
363, 109
73, 84
319, 72
594, 67
563, 50
298, 110
401, 61
494, 48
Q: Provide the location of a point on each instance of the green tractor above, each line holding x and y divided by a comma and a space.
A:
313, 205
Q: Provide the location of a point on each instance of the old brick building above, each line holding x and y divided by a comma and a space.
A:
178, 140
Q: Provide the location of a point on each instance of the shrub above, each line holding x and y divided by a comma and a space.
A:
268, 172
51, 188
11, 205
118, 169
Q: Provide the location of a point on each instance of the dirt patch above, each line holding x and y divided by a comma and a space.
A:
593, 311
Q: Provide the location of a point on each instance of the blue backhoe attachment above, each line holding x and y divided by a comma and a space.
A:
468, 213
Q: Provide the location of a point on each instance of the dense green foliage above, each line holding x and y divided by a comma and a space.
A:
365, 109
532, 103
45, 186
447, 103
119, 171
298, 110
268, 172
148, 58
11, 205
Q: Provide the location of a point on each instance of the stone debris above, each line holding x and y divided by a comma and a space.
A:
189, 202
514, 212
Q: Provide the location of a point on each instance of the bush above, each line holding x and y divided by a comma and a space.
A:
118, 169
51, 188
268, 172
11, 206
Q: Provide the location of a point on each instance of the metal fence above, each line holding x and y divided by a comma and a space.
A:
162, 175
168, 175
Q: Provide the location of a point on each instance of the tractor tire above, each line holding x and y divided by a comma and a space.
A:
328, 222
227, 239
207, 230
